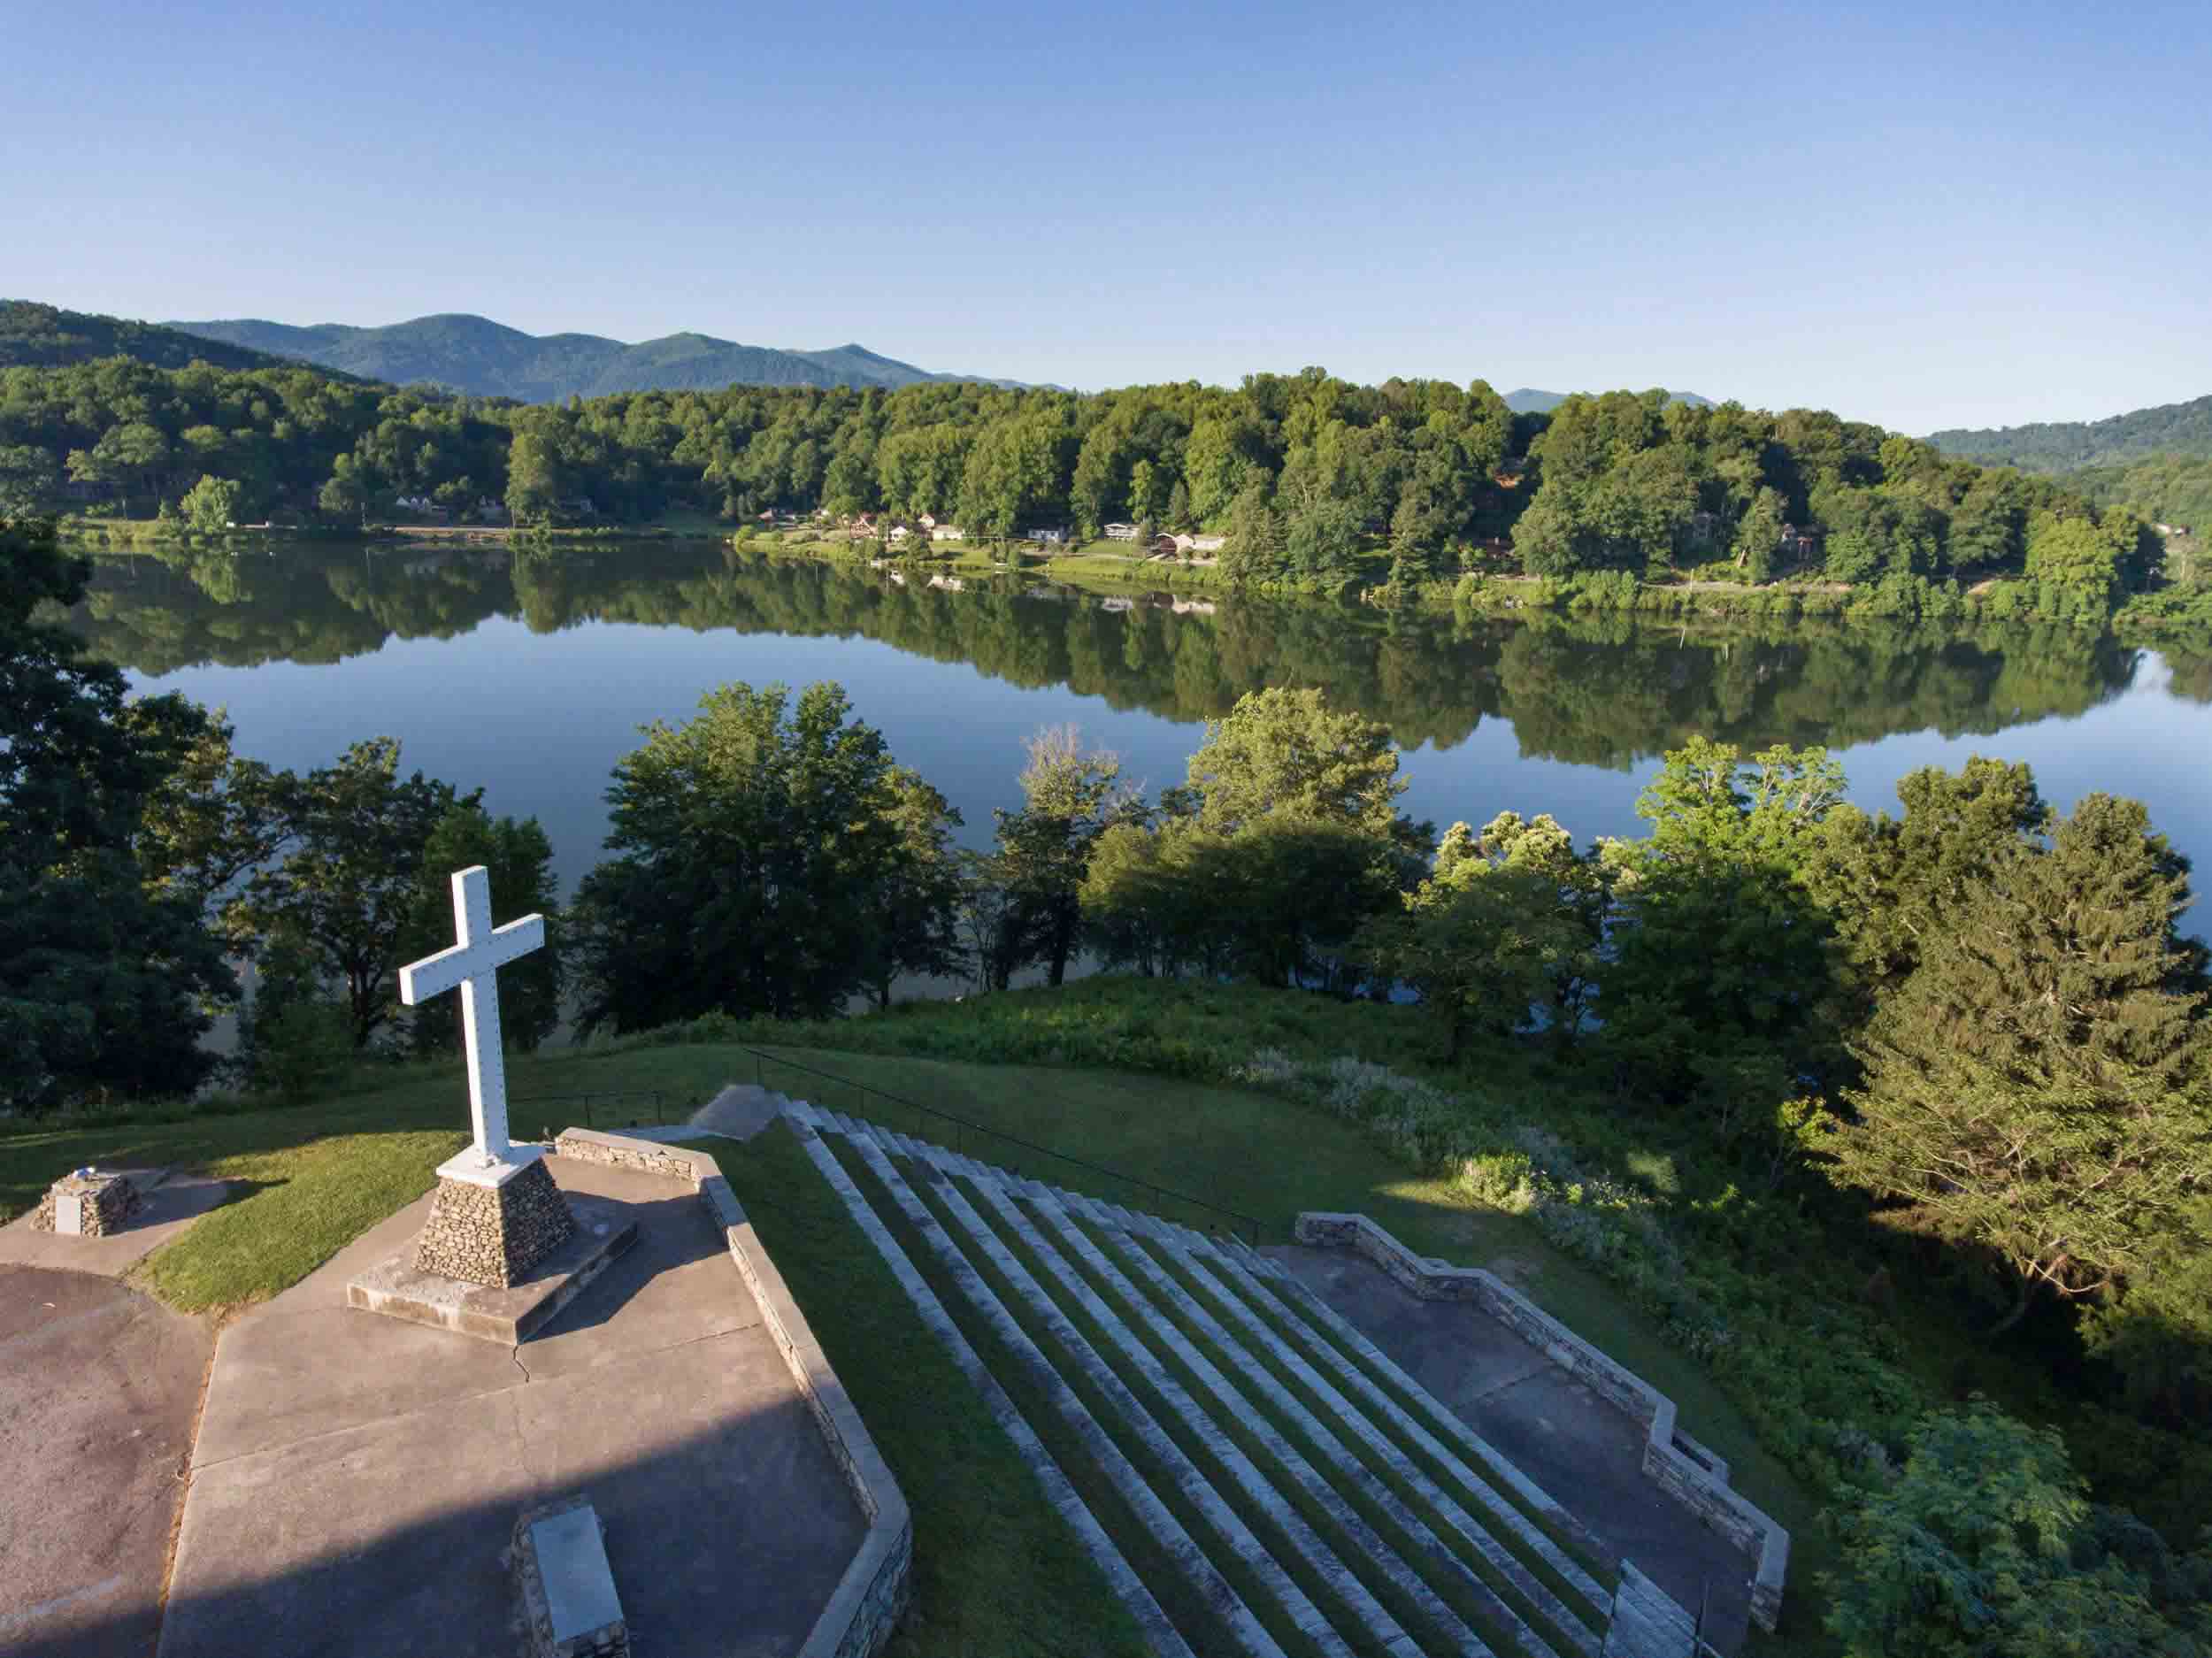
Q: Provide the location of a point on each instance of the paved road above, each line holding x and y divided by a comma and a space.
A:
98, 1387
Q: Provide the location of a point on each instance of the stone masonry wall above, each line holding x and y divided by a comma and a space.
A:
494, 1235
617, 1151
109, 1200
1687, 1470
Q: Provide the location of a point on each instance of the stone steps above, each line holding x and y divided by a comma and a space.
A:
1249, 1476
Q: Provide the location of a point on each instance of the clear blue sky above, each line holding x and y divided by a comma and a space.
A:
1966, 215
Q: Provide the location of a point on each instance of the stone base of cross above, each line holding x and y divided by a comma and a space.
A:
497, 1211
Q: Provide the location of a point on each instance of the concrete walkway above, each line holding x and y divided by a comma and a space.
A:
172, 1204
356, 1477
98, 1386
1585, 1452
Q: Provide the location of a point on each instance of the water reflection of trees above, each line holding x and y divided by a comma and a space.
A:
1596, 692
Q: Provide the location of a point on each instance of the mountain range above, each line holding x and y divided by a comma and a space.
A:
2058, 446
485, 358
33, 335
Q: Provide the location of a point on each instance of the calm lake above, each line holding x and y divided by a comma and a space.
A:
529, 675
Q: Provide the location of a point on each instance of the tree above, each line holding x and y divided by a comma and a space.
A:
1135, 910
519, 861
533, 479
1483, 947
1178, 513
1417, 540
1286, 753
1069, 797
1581, 888
2036, 1088
755, 846
1888, 881
352, 879
918, 928
344, 496
214, 819
1984, 1543
104, 981
29, 478
1758, 537
2077, 556
1286, 895
1254, 549
294, 1038
1722, 978
211, 506
1321, 540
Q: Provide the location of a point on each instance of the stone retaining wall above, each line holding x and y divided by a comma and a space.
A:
1687, 1470
866, 1605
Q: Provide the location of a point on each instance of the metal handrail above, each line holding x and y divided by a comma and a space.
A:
962, 1125
586, 1099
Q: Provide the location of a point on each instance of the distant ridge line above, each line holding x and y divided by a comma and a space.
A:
467, 353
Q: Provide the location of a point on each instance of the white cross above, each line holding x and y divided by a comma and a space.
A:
474, 964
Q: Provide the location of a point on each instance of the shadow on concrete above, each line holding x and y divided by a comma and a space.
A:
664, 1244
357, 1478
716, 1543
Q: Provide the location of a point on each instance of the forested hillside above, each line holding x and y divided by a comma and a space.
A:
44, 336
2174, 489
1305, 474
2063, 446
488, 359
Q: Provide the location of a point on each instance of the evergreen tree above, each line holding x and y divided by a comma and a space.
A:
2037, 1086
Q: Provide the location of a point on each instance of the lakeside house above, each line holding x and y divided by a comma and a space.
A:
1208, 543
1121, 532
1800, 543
1049, 537
945, 532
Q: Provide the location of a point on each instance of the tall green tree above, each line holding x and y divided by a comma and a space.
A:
211, 506
1069, 796
1286, 753
104, 980
1721, 991
754, 846
352, 879
2036, 1089
212, 820
1254, 549
1484, 946
921, 893
1889, 882
533, 478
